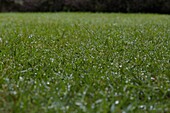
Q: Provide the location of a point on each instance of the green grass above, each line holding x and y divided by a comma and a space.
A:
84, 62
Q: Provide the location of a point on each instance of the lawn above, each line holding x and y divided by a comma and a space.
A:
84, 62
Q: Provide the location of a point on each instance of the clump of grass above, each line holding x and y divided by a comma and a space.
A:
84, 62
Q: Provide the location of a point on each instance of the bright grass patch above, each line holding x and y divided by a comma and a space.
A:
84, 62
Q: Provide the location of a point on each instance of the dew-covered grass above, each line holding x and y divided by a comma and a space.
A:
84, 62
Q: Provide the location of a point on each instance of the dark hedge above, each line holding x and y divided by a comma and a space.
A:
129, 6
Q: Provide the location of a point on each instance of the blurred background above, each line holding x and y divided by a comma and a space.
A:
125, 6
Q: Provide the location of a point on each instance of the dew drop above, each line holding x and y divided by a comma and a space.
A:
98, 101
30, 36
0, 40
142, 107
52, 59
48, 83
116, 102
21, 78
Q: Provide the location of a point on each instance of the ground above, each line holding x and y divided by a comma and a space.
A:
84, 62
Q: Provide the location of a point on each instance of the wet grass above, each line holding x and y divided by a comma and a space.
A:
83, 62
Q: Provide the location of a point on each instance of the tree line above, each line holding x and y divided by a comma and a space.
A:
127, 6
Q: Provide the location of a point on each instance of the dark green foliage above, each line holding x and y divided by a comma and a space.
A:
8, 5
43, 5
144, 6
